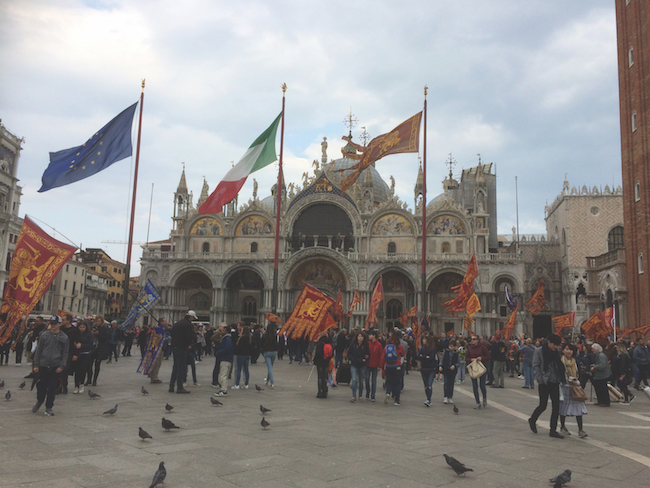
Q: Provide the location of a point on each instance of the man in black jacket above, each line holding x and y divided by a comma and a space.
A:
182, 340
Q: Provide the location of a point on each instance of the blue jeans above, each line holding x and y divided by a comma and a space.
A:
242, 363
427, 378
358, 376
338, 358
449, 378
460, 374
475, 385
371, 382
394, 381
269, 358
529, 375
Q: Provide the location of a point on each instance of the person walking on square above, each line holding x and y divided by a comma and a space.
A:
224, 354
601, 373
321, 361
242, 353
50, 360
270, 351
526, 353
568, 406
102, 335
374, 364
358, 354
480, 352
499, 356
393, 355
182, 340
115, 341
641, 358
81, 356
549, 373
624, 372
428, 357
448, 367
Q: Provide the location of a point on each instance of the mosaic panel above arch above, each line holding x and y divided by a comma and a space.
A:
321, 273
206, 226
254, 225
392, 224
446, 225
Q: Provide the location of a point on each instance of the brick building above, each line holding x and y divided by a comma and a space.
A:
633, 38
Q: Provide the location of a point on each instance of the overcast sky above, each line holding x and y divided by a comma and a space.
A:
531, 86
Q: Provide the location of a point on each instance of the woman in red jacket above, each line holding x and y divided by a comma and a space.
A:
478, 351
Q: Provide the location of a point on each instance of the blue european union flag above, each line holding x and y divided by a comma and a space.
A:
110, 144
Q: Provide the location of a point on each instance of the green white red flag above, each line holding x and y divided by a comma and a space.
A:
260, 154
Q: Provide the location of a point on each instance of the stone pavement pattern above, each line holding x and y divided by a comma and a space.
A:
311, 442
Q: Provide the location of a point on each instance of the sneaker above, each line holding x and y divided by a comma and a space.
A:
49, 412
477, 407
272, 386
485, 403
221, 393
632, 397
555, 434
372, 399
387, 398
353, 399
532, 425
234, 387
75, 391
427, 403
451, 402
565, 431
446, 400
520, 377
582, 434
36, 406
81, 389
196, 385
245, 387
397, 404
217, 386
183, 390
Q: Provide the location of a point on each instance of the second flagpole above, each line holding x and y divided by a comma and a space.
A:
278, 210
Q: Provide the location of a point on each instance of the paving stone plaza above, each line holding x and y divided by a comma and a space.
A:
310, 442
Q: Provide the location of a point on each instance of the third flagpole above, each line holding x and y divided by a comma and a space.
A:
424, 211
278, 209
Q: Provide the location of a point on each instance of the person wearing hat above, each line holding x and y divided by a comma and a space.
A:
50, 359
182, 340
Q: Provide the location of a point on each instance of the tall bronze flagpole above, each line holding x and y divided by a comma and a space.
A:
278, 208
424, 211
125, 288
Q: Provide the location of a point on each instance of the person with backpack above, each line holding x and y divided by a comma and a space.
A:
322, 356
428, 357
374, 364
358, 354
393, 354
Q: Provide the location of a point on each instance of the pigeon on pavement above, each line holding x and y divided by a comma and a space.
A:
143, 434
143, 390
455, 409
264, 423
160, 475
561, 479
93, 395
8, 395
264, 410
214, 401
22, 385
2, 384
259, 388
111, 411
168, 407
168, 424
458, 467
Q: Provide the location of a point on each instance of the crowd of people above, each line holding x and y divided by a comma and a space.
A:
65, 347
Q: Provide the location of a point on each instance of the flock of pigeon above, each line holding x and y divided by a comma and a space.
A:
161, 473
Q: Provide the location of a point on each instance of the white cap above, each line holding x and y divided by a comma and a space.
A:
192, 314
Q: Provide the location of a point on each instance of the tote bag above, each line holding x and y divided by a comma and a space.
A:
476, 369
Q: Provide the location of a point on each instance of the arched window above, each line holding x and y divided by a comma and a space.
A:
206, 247
199, 301
393, 311
581, 290
249, 307
615, 238
392, 249
253, 246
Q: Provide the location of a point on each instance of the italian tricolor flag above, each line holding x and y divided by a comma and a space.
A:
260, 154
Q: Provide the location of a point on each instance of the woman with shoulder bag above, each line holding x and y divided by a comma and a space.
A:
571, 406
477, 351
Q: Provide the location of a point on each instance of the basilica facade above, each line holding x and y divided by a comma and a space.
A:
221, 265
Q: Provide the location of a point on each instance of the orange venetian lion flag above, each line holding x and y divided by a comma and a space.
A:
465, 290
355, 300
273, 318
377, 297
595, 328
405, 138
308, 314
563, 321
510, 325
36, 262
473, 306
537, 302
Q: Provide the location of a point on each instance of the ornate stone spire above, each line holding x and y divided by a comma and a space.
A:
182, 185
205, 192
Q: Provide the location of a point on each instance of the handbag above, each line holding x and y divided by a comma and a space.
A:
578, 394
476, 369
